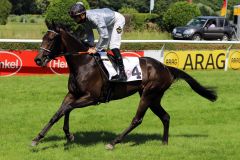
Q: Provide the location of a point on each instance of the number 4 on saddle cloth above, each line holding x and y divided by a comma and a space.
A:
131, 65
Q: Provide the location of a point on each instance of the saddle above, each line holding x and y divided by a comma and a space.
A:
99, 61
107, 64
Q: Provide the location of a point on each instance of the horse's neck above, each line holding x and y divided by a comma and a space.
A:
73, 45
76, 62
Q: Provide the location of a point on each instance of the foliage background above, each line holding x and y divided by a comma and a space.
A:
179, 14
136, 21
5, 8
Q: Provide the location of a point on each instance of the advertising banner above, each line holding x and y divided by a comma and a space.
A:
202, 59
21, 62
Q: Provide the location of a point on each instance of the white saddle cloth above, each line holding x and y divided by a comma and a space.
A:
131, 65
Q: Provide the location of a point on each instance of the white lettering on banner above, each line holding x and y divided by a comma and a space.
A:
10, 63
57, 64
5, 64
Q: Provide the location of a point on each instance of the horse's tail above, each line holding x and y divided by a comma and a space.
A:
208, 93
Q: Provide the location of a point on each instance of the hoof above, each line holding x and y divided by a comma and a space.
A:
109, 147
165, 143
70, 138
34, 143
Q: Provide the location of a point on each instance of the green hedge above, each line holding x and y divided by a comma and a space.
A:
179, 14
132, 46
137, 21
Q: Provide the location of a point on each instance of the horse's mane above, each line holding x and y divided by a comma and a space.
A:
68, 30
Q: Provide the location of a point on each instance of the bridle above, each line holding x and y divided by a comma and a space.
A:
49, 50
63, 54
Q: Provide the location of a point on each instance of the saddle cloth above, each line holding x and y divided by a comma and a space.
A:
131, 65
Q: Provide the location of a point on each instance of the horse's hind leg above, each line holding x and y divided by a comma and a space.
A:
165, 118
137, 120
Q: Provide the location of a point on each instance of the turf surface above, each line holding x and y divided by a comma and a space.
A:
199, 129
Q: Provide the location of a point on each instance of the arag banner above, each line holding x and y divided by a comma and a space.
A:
201, 59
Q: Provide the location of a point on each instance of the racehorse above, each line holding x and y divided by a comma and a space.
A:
87, 82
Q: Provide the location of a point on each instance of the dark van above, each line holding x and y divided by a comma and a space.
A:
205, 27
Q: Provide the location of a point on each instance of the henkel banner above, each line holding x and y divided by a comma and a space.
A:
10, 63
21, 62
14, 62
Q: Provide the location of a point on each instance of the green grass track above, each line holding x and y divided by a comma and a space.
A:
199, 129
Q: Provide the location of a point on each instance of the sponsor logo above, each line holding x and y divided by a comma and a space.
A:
58, 66
235, 60
119, 30
10, 63
171, 59
204, 61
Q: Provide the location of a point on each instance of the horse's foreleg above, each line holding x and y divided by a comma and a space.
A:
53, 120
68, 99
69, 136
61, 111
82, 102
79, 103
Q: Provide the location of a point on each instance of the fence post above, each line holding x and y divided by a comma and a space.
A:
227, 57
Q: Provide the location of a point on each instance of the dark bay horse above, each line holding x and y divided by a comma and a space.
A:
86, 83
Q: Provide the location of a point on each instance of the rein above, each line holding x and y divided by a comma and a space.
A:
79, 53
72, 53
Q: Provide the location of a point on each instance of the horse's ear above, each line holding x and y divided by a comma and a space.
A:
53, 25
48, 24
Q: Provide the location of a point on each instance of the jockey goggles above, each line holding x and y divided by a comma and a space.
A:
76, 14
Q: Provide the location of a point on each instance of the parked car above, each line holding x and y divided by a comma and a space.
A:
205, 27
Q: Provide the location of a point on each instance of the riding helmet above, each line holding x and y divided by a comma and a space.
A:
77, 9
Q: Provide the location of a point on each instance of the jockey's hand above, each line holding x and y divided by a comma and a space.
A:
92, 50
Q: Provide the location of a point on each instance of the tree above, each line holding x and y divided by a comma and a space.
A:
5, 8
179, 14
41, 5
206, 10
23, 7
57, 11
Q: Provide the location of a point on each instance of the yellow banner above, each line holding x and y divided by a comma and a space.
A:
202, 59
236, 11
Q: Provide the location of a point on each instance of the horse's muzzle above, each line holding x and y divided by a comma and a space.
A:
42, 61
38, 61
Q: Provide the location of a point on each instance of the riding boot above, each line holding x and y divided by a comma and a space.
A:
122, 75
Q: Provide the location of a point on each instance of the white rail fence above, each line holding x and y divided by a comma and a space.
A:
132, 41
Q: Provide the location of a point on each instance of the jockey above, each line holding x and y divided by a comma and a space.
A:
109, 25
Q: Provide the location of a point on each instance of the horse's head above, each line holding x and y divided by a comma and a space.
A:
50, 48
56, 42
